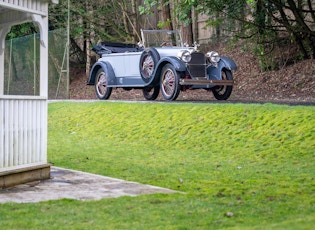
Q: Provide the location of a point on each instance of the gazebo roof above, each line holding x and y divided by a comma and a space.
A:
11, 11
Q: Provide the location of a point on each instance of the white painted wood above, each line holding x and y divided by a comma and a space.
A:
3, 32
1, 135
29, 6
23, 132
44, 58
14, 17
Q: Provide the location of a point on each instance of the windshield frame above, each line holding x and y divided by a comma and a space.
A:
161, 38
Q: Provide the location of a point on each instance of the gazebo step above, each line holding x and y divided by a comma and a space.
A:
23, 175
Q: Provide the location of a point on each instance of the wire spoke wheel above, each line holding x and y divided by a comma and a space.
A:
169, 82
151, 92
102, 91
147, 66
148, 61
223, 92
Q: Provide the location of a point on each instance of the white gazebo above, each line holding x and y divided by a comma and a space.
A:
23, 119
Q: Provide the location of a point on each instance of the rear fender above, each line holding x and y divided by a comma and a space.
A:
215, 73
107, 68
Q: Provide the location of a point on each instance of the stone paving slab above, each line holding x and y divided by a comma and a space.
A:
71, 184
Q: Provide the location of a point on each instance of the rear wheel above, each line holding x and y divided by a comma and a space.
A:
169, 83
151, 93
102, 91
223, 92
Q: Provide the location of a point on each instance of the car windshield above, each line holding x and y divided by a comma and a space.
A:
158, 38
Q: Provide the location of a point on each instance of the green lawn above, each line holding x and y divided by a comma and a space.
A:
240, 166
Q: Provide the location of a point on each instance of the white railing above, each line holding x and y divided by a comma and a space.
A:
23, 131
33, 6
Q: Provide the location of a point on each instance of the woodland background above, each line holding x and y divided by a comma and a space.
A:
272, 41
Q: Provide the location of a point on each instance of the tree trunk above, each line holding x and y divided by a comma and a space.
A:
188, 32
290, 29
90, 34
166, 15
88, 58
135, 20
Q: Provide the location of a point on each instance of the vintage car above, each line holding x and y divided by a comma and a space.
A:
161, 62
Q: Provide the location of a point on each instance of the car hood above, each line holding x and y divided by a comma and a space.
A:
171, 51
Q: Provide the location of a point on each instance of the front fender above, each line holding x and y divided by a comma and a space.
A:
178, 65
215, 72
228, 63
108, 69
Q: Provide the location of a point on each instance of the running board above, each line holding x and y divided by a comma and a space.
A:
183, 81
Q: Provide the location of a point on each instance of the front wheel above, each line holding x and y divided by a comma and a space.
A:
223, 92
102, 91
151, 93
169, 83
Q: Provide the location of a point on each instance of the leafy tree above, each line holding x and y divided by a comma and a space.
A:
172, 16
92, 21
298, 19
22, 30
267, 23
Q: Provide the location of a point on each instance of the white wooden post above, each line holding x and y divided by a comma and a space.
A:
3, 32
4, 29
44, 85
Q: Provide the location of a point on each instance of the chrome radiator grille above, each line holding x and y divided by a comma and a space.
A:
197, 65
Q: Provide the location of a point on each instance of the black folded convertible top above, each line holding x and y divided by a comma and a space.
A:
115, 47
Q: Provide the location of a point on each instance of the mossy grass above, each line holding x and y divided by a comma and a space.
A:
239, 166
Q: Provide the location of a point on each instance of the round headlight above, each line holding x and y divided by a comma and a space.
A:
184, 55
213, 56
